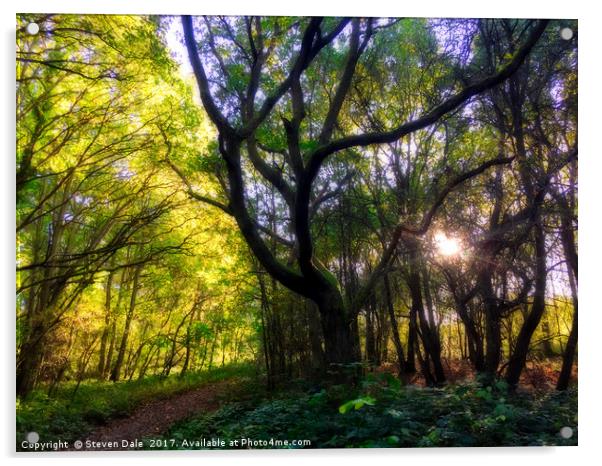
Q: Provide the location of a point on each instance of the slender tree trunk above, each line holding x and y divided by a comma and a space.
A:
111, 350
432, 347
187, 354
212, 351
547, 348
383, 333
568, 357
569, 353
473, 339
126, 330
113, 331
315, 337
433, 331
570, 253
169, 363
493, 329
519, 356
410, 367
107, 327
188, 344
147, 361
370, 338
265, 333
401, 364
83, 364
355, 337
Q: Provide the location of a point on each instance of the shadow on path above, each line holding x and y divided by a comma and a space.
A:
155, 417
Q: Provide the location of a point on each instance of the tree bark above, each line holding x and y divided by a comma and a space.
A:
570, 252
430, 340
410, 367
401, 364
107, 327
569, 353
370, 334
126, 330
338, 341
519, 356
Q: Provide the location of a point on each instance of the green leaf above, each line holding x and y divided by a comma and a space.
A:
356, 404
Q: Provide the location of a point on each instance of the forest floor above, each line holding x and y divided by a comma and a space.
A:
100, 410
233, 403
155, 417
379, 411
537, 375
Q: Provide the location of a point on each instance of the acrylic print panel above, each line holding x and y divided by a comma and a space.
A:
295, 232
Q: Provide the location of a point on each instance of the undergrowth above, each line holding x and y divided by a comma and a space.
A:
382, 413
378, 412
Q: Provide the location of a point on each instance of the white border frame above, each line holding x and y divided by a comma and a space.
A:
589, 174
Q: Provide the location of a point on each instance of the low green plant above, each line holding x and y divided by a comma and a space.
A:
381, 413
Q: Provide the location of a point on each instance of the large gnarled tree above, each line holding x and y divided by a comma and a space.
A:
261, 84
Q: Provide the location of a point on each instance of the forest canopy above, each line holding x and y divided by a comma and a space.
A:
319, 197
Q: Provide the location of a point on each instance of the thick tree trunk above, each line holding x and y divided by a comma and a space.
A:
28, 364
338, 341
41, 304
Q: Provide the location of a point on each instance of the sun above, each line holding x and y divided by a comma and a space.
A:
447, 246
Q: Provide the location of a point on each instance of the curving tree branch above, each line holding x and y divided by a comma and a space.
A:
321, 153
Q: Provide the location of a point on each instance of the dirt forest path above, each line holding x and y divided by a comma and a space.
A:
157, 416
